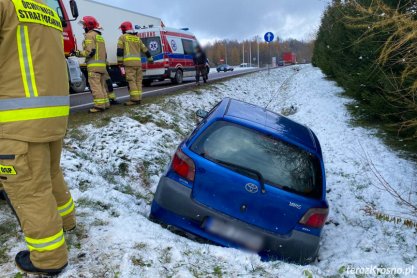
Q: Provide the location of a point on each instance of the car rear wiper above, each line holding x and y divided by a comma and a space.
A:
231, 165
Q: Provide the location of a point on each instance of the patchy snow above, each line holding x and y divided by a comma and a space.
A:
113, 171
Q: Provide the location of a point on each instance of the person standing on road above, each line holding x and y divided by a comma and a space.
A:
129, 49
34, 109
200, 61
94, 51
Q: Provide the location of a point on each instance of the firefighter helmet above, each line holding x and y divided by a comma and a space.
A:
90, 23
126, 26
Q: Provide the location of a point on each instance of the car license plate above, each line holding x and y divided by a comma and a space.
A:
232, 232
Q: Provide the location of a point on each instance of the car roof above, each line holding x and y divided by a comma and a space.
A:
268, 121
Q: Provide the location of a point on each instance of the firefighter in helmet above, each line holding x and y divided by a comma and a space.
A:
34, 109
94, 51
129, 49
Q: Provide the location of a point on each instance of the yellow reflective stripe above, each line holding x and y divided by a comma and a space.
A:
101, 100
30, 62
26, 63
135, 93
22, 61
33, 114
46, 244
67, 208
96, 65
132, 59
97, 49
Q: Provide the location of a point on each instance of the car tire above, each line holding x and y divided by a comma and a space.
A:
147, 83
179, 77
79, 87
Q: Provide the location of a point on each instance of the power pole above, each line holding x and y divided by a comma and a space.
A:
257, 40
225, 50
243, 52
250, 52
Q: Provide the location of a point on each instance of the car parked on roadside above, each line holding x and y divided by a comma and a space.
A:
225, 68
247, 178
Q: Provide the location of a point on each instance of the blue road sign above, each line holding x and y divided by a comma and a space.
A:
269, 37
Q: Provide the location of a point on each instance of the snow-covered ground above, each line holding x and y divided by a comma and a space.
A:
113, 169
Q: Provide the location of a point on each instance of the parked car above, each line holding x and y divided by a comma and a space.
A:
247, 178
225, 68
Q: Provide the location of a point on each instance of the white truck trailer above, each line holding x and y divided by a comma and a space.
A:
110, 18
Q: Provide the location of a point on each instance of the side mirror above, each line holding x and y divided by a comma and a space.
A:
201, 113
74, 9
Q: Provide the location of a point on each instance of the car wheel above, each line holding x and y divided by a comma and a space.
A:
147, 83
79, 87
179, 77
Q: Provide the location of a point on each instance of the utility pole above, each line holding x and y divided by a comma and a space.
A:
225, 51
257, 40
250, 52
243, 52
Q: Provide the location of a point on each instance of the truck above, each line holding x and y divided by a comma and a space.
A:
110, 18
289, 58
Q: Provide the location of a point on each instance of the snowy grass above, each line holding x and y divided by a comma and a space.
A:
113, 167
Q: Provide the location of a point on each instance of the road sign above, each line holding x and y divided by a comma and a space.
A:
269, 37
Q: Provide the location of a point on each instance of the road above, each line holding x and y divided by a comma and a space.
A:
84, 100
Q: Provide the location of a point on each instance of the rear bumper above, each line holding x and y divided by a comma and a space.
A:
174, 206
156, 74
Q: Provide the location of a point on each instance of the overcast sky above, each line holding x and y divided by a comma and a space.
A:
234, 19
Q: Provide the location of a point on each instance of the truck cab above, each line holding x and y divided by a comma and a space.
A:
77, 79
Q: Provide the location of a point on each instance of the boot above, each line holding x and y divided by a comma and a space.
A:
133, 102
114, 102
96, 110
24, 263
70, 229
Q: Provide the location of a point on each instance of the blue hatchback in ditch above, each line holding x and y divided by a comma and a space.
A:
247, 178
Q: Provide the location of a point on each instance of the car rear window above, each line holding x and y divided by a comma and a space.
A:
282, 165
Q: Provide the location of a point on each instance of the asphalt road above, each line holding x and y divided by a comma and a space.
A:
84, 100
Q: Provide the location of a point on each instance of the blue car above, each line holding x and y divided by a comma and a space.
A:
247, 178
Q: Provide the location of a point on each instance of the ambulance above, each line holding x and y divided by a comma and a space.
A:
172, 51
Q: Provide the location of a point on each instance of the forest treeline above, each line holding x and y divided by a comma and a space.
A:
232, 51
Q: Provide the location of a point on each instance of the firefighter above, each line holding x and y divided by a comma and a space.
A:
34, 109
94, 51
129, 49
109, 88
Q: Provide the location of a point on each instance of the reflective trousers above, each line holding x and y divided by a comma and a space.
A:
134, 77
98, 87
111, 95
33, 180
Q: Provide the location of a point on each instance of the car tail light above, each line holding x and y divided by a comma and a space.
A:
183, 166
315, 217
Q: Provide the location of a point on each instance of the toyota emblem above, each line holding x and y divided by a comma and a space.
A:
251, 188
